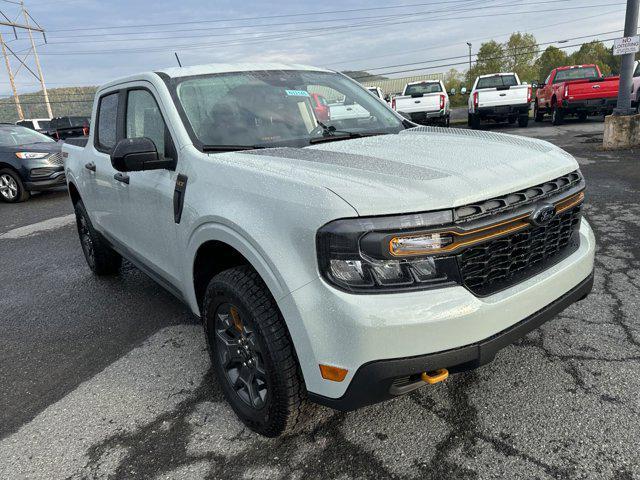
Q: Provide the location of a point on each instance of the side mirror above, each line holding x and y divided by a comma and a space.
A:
137, 154
452, 92
463, 91
540, 85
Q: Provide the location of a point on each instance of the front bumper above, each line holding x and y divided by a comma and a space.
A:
385, 379
351, 331
57, 179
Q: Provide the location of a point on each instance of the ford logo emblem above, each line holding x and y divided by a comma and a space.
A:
542, 215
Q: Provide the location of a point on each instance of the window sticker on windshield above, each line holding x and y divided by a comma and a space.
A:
297, 93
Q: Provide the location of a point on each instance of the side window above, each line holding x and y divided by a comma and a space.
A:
144, 119
107, 121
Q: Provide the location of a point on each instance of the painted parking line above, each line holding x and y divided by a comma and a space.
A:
40, 227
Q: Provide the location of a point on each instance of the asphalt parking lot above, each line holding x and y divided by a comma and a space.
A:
111, 379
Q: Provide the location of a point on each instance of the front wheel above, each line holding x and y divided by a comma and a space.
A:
252, 354
12, 189
557, 116
538, 115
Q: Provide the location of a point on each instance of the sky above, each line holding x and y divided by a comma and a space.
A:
90, 42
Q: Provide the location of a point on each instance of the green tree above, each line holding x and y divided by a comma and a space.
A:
594, 52
551, 58
520, 53
490, 59
455, 79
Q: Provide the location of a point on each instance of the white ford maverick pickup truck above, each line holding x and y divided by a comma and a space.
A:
342, 262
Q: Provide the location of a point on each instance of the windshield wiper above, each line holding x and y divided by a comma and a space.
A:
331, 134
229, 148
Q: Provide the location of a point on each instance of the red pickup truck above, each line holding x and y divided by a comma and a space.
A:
576, 90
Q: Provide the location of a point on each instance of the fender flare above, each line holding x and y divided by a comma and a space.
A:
216, 231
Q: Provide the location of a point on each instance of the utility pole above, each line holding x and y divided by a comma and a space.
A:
37, 60
30, 26
626, 69
469, 55
16, 98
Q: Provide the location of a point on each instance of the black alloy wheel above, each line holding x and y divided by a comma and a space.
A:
240, 356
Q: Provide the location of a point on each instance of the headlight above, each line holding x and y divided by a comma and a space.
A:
387, 253
31, 155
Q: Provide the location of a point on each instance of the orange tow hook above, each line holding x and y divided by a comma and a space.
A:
435, 376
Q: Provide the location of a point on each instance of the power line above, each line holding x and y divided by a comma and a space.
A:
220, 20
502, 57
475, 39
323, 33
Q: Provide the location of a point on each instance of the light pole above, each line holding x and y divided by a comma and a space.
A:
469, 55
626, 69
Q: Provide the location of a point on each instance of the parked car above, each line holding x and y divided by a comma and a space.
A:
376, 92
65, 127
635, 91
42, 125
320, 107
579, 90
344, 263
29, 162
499, 97
424, 102
348, 109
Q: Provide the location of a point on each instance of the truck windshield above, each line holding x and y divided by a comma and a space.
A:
277, 108
497, 81
576, 74
12, 136
423, 88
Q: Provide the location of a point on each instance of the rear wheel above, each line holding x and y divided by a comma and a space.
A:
523, 121
511, 120
12, 189
538, 115
100, 257
252, 354
557, 116
473, 120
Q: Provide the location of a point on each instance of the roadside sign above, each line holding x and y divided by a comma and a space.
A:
625, 45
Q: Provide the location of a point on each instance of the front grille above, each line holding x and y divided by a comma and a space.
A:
517, 199
55, 159
498, 264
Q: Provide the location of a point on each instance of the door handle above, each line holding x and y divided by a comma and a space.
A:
90, 166
121, 177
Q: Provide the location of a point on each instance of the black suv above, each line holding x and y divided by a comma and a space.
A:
29, 161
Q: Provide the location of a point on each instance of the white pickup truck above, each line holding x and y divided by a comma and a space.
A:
499, 97
424, 102
343, 263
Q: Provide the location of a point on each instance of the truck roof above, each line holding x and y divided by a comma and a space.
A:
496, 74
569, 67
212, 68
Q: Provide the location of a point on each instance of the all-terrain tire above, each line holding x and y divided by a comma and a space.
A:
473, 120
100, 257
285, 408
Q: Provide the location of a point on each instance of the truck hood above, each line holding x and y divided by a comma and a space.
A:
424, 168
